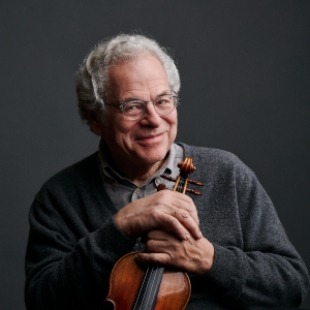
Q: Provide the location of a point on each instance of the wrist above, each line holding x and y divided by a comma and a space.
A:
207, 258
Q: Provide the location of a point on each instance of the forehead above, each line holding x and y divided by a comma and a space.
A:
143, 76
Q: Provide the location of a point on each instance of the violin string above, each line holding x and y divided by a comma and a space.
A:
155, 279
150, 284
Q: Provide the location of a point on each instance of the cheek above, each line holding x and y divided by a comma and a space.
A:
173, 121
118, 124
174, 132
176, 121
118, 131
124, 128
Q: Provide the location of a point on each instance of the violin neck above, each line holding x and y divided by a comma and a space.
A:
149, 289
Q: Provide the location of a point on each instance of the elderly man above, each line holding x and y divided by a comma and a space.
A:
229, 240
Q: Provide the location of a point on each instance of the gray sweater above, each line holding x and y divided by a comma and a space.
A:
73, 242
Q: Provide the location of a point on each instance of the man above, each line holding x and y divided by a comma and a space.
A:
229, 240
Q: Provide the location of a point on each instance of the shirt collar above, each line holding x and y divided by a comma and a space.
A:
170, 167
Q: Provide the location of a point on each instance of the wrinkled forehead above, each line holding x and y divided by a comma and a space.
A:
143, 76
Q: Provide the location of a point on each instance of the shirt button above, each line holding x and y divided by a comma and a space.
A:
157, 181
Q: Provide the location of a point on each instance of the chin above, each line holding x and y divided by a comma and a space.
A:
154, 156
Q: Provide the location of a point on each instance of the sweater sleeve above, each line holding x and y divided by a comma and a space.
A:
263, 269
72, 247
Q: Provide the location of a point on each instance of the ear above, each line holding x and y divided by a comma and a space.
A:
96, 127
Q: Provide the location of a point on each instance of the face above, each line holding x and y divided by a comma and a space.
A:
146, 141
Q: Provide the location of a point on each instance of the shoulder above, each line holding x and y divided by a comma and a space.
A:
211, 155
217, 162
76, 175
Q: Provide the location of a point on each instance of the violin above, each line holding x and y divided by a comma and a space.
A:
134, 287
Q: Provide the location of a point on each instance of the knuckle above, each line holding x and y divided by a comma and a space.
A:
163, 194
155, 214
184, 214
148, 246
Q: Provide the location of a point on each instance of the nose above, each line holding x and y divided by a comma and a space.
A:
151, 117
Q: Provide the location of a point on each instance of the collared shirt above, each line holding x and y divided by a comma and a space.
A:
122, 191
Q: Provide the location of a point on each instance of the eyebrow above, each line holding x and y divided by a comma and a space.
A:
165, 92
130, 99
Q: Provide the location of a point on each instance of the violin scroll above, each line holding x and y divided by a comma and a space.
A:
186, 167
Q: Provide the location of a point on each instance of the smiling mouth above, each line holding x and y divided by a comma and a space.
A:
151, 138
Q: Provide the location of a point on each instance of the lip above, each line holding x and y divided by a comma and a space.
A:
151, 139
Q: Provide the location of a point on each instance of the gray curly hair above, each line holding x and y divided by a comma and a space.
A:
92, 84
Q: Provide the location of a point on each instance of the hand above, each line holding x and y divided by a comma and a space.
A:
194, 256
164, 210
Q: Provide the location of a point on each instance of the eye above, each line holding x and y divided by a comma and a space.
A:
133, 107
164, 101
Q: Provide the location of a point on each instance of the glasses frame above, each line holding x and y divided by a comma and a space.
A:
121, 106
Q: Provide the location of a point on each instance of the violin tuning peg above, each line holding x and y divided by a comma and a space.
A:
195, 182
192, 191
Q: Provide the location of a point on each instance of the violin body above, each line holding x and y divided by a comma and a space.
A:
127, 277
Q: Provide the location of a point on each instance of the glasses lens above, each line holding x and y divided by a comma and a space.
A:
164, 104
134, 109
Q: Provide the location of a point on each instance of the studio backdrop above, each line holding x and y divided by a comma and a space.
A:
244, 69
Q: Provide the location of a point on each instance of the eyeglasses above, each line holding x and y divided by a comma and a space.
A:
134, 109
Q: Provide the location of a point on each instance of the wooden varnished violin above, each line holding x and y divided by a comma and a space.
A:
133, 287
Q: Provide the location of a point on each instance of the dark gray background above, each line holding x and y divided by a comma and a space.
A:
245, 88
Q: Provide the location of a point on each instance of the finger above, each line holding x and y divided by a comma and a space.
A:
160, 241
171, 223
179, 220
189, 223
157, 235
154, 258
185, 203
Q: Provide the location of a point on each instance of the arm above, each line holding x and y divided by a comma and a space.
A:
73, 244
266, 270
251, 261
67, 265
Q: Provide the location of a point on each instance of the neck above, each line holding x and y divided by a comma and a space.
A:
138, 174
